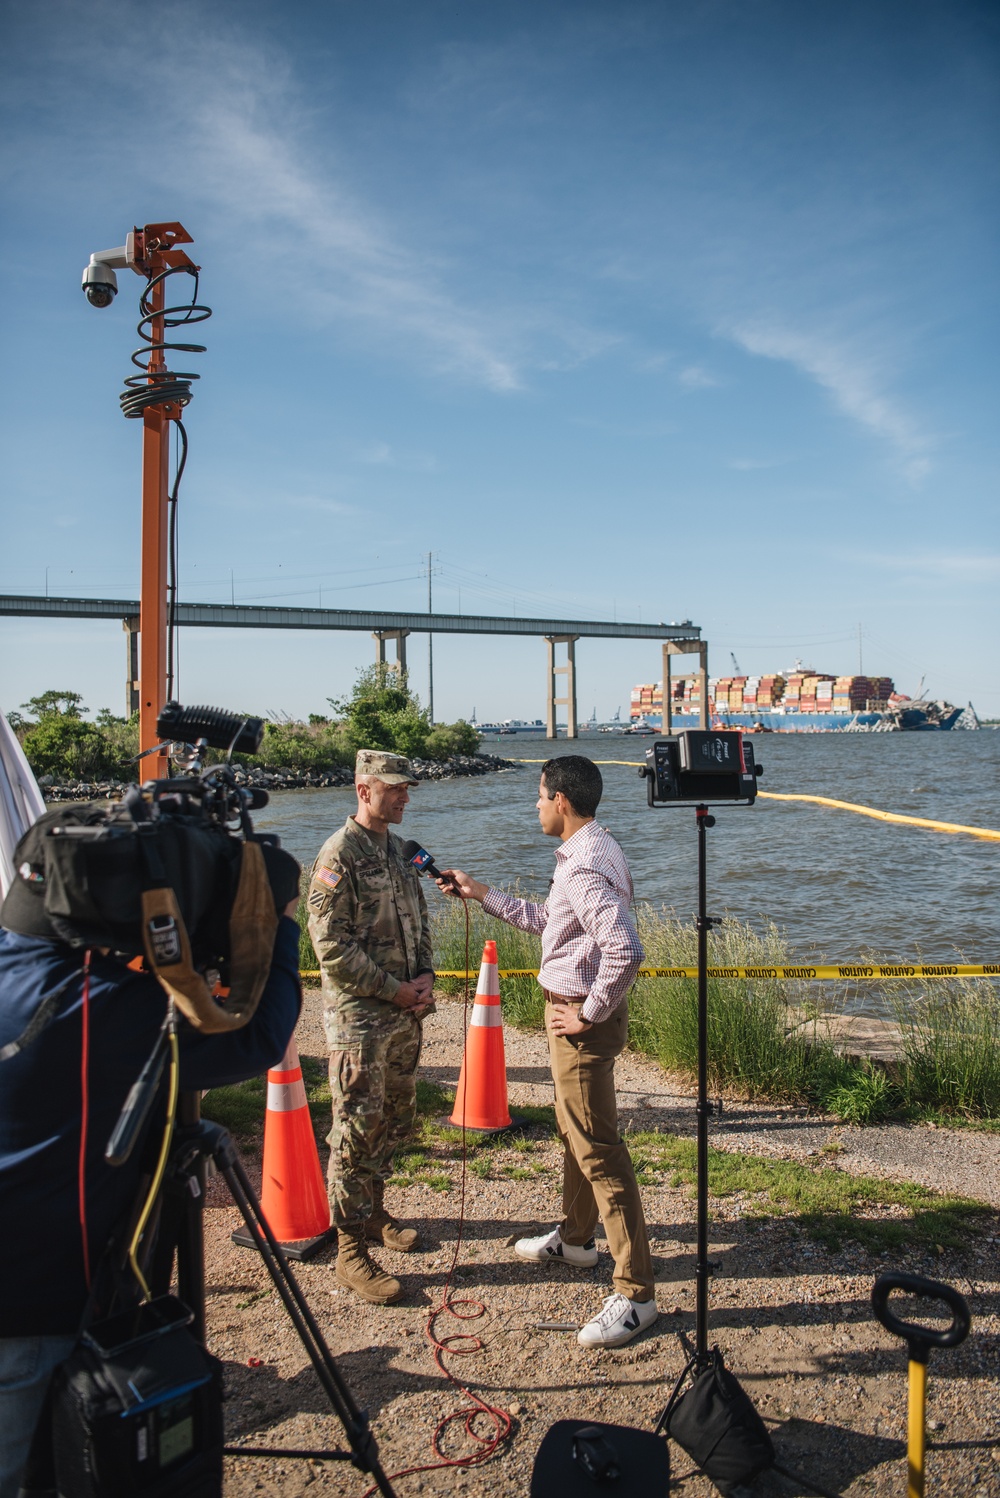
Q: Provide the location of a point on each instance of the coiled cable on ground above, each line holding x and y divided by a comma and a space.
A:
489, 1436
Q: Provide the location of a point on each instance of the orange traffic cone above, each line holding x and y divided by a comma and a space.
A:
481, 1099
293, 1195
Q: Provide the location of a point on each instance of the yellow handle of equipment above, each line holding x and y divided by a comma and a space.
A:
915, 1434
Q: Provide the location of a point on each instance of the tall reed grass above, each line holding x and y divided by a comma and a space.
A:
768, 1040
951, 1047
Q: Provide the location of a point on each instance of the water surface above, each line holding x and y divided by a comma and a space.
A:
837, 884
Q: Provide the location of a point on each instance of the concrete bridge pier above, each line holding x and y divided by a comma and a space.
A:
380, 637
130, 624
569, 671
685, 647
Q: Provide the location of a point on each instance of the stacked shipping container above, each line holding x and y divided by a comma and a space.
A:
799, 692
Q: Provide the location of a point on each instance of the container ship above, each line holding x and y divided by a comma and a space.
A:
798, 701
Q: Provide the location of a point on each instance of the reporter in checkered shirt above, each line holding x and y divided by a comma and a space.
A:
590, 955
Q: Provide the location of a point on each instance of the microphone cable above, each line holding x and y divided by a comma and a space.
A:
501, 1424
145, 391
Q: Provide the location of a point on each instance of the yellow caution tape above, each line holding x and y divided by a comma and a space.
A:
854, 971
991, 833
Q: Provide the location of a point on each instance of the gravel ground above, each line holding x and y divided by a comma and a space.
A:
792, 1317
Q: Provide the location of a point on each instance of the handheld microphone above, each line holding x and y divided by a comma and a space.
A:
423, 861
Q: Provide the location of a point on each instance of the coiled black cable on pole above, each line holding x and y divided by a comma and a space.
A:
164, 388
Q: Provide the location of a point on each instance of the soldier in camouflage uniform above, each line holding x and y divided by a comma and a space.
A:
368, 923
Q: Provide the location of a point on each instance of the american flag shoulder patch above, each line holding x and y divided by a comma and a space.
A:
326, 876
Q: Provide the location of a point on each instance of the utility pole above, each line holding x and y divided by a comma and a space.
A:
430, 641
157, 397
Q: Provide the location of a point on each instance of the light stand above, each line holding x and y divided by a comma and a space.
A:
703, 1270
712, 1418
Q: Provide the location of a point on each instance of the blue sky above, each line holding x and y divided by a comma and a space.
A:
637, 310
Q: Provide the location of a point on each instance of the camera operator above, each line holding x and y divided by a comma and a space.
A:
75, 1031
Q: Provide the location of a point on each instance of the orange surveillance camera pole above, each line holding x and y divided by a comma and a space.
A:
150, 252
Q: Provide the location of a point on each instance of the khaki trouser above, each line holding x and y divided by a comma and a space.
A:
598, 1176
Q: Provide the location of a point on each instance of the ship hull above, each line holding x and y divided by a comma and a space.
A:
802, 722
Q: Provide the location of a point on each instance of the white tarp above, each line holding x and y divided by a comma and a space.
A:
21, 802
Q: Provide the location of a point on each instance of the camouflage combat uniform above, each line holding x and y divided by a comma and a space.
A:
368, 923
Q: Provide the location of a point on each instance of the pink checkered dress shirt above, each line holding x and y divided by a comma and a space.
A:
590, 946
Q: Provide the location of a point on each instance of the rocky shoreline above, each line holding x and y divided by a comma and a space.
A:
286, 778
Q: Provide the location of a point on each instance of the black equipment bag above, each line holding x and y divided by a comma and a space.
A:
137, 1410
639, 1462
97, 863
717, 1425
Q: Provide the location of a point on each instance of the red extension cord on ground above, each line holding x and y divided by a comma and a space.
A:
500, 1423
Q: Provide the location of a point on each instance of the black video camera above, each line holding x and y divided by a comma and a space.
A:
85, 874
715, 766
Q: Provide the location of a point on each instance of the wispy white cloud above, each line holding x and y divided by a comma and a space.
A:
853, 378
342, 256
382, 455
695, 377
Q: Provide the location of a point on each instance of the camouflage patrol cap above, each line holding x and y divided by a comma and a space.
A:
391, 769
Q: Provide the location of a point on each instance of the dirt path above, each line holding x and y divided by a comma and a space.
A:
792, 1317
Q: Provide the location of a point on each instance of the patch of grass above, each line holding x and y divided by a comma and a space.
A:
438, 1180
867, 1097
828, 1204
951, 1048
251, 1300
240, 1109
308, 961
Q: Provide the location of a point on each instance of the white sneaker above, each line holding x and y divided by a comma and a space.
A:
617, 1322
551, 1246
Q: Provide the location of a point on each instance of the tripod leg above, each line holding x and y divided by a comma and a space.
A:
191, 1237
354, 1421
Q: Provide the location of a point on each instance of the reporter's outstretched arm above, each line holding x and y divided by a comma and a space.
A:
527, 915
219, 1060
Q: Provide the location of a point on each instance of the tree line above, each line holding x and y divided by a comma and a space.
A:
381, 712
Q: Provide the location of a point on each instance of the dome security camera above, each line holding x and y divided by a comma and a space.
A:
100, 284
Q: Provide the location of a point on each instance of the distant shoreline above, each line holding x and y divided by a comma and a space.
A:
284, 778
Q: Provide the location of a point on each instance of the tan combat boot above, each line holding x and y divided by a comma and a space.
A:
357, 1272
381, 1228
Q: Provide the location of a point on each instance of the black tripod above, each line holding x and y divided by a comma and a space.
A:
181, 1226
